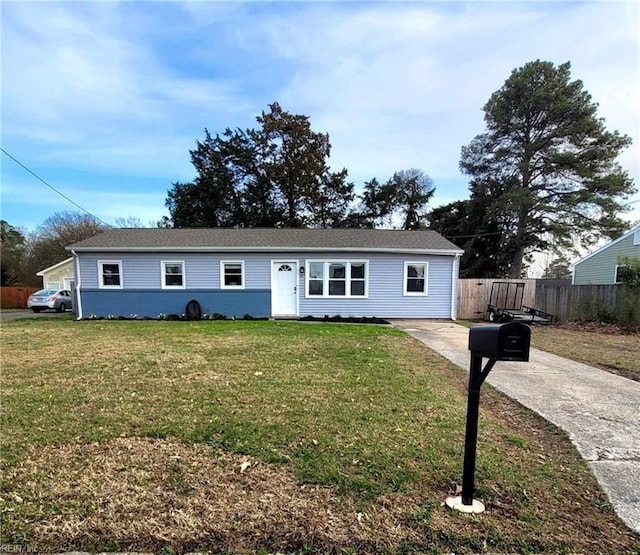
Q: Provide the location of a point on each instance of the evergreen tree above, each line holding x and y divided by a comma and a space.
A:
273, 176
411, 191
13, 245
548, 164
469, 225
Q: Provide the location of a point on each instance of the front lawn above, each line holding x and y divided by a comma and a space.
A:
600, 346
272, 436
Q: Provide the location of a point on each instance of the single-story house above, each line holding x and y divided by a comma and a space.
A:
267, 273
58, 276
601, 266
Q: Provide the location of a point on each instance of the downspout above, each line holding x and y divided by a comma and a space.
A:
454, 285
78, 282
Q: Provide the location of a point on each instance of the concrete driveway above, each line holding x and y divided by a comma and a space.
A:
7, 315
600, 411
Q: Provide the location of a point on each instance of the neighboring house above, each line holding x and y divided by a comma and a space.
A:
58, 276
267, 272
601, 266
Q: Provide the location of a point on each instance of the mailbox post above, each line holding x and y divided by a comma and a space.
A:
496, 342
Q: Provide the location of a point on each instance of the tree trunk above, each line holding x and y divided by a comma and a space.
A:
515, 271
518, 256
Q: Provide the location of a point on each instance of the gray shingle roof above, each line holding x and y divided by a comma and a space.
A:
248, 239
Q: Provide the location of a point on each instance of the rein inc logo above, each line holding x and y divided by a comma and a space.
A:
15, 548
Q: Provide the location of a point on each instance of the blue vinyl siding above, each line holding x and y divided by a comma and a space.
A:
202, 270
152, 302
142, 294
386, 299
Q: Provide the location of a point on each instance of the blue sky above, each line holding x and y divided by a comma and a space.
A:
104, 100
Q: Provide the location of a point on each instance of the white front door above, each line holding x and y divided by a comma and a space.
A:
284, 288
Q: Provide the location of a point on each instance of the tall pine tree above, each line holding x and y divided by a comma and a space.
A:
550, 163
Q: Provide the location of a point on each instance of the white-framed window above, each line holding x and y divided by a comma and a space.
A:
336, 278
232, 274
416, 278
636, 237
172, 274
619, 273
110, 274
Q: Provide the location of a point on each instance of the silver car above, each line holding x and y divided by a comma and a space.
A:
57, 299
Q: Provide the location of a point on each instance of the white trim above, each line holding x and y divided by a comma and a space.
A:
163, 274
55, 266
603, 247
405, 276
454, 287
615, 273
296, 264
242, 274
347, 278
101, 284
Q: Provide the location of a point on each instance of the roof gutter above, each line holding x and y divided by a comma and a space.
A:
455, 274
78, 283
442, 252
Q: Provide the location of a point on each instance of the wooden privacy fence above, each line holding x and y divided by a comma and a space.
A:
15, 297
577, 302
474, 294
566, 302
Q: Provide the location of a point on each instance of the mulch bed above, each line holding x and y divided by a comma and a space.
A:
346, 319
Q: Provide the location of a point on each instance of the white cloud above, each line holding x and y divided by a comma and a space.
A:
403, 85
125, 89
83, 76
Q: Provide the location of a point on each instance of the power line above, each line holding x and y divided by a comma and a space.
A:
65, 197
474, 235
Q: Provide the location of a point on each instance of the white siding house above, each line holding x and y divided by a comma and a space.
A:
58, 276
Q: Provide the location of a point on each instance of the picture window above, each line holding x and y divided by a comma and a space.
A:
336, 278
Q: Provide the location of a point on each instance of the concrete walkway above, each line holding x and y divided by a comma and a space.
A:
600, 411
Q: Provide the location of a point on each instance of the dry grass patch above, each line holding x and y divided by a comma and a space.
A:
147, 495
604, 347
141, 494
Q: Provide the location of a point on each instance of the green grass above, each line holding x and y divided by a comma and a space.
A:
279, 391
364, 410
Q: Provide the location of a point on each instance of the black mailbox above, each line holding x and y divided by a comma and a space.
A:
496, 342
501, 341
